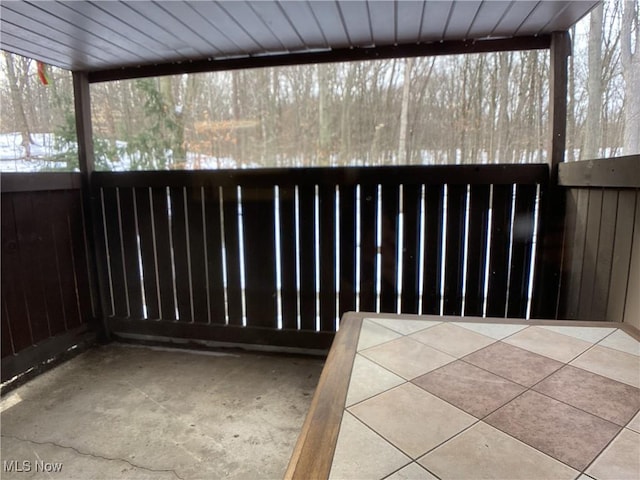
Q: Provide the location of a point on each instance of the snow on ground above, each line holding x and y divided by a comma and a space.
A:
12, 156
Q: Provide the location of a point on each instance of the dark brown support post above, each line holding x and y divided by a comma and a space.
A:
82, 103
552, 207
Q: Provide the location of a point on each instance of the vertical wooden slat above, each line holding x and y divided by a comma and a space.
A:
130, 244
180, 254
523, 225
260, 256
632, 302
214, 256
410, 247
65, 228
327, 222
306, 208
5, 332
432, 249
499, 256
30, 270
604, 256
288, 254
147, 252
389, 253
621, 255
13, 293
592, 240
163, 251
112, 222
577, 209
232, 247
454, 261
197, 255
85, 274
477, 250
47, 204
368, 204
347, 249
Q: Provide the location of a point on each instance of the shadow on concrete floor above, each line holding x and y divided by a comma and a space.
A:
121, 412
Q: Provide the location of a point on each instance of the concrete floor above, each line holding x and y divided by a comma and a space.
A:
121, 412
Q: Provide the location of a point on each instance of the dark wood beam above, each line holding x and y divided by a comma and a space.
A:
560, 51
552, 207
84, 131
325, 56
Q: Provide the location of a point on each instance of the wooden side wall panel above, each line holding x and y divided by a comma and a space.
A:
632, 306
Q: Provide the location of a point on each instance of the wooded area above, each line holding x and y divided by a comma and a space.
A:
481, 108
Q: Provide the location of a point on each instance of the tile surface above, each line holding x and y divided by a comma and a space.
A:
469, 388
622, 341
373, 333
611, 363
620, 460
559, 430
361, 453
482, 452
516, 364
451, 339
369, 379
412, 419
407, 357
601, 396
550, 344
493, 330
405, 327
413, 471
588, 334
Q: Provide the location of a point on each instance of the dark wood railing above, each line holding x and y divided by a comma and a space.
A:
276, 256
46, 296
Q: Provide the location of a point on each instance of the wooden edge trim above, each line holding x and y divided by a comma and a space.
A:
44, 351
630, 330
313, 454
449, 47
617, 172
39, 181
231, 334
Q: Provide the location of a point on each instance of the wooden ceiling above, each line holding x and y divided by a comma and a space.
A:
108, 35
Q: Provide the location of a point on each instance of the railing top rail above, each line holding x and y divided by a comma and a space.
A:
407, 175
39, 181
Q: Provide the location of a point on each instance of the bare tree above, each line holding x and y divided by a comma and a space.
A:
630, 39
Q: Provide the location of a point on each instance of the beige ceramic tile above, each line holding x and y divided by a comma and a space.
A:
412, 419
374, 334
550, 344
369, 379
407, 357
634, 424
451, 339
622, 341
493, 330
620, 460
405, 327
611, 363
413, 471
485, 452
361, 453
588, 334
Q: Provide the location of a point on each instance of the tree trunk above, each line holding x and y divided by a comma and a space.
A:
18, 107
404, 112
631, 75
594, 86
